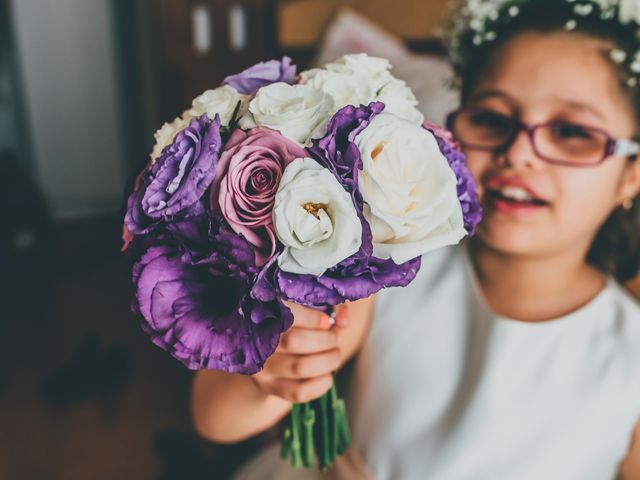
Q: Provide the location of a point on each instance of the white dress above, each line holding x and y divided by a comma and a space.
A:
446, 390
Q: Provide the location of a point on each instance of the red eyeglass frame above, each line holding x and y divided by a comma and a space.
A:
611, 146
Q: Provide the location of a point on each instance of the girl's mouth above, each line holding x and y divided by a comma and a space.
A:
514, 200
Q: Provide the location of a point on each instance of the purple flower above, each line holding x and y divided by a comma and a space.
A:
337, 150
361, 274
175, 183
261, 74
193, 292
467, 186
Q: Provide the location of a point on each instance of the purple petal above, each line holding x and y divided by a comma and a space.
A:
262, 74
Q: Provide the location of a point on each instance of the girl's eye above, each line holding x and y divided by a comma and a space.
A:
491, 120
569, 131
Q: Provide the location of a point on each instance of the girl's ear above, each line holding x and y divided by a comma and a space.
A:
630, 183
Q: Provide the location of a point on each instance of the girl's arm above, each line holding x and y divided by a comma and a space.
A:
630, 467
228, 408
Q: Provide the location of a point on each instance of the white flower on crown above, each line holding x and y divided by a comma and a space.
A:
480, 11
629, 11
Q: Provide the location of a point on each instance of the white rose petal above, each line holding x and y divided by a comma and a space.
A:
409, 189
400, 100
346, 88
165, 135
299, 112
362, 63
315, 219
352, 80
222, 101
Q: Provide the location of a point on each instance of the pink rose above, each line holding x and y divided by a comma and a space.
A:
247, 179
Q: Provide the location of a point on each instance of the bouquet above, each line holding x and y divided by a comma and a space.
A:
317, 188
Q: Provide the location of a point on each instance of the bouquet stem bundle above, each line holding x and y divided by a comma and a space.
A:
319, 427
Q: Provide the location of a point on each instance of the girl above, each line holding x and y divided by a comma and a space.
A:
517, 355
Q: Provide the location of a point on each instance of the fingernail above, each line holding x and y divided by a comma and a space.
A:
326, 322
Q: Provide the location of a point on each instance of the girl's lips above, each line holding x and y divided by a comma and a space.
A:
513, 197
517, 209
497, 183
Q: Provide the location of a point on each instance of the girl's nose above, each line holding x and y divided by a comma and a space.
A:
520, 153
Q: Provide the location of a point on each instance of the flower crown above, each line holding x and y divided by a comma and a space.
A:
475, 23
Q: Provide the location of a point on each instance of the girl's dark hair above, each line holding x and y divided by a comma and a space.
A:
616, 248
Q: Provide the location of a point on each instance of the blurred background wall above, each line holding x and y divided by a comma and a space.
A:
67, 60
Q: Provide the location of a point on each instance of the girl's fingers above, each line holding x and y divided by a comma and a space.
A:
305, 317
341, 315
304, 341
300, 391
304, 366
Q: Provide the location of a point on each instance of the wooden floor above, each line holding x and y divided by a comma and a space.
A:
83, 393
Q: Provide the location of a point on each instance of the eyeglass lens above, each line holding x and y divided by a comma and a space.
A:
560, 141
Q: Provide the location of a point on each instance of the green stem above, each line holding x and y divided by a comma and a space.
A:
285, 447
296, 454
343, 426
325, 460
309, 420
335, 422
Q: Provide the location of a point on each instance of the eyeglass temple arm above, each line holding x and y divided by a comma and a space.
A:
626, 148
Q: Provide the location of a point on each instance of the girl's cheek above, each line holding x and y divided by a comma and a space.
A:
479, 164
586, 198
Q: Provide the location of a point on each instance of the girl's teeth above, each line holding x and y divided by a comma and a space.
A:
516, 193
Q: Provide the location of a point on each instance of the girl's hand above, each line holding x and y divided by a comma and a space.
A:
301, 368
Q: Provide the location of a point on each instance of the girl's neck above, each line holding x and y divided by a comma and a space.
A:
534, 289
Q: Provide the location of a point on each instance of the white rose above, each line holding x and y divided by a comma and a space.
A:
409, 189
352, 80
400, 100
299, 112
629, 11
346, 88
315, 219
222, 101
165, 135
362, 63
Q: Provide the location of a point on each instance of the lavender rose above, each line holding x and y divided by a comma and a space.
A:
261, 74
174, 184
247, 178
198, 307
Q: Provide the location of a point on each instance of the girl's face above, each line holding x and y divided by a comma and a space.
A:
538, 78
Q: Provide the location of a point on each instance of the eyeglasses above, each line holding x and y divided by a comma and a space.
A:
557, 142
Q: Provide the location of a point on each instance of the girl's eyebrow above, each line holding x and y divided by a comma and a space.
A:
576, 105
492, 93
573, 104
